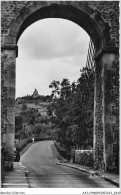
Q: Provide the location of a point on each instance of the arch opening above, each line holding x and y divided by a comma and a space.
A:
76, 50
62, 50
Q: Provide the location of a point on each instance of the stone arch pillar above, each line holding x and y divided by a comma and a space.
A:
8, 100
106, 65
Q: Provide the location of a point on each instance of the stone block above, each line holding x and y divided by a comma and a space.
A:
10, 53
14, 27
10, 40
11, 73
9, 83
11, 92
108, 59
9, 102
11, 129
10, 110
9, 77
110, 119
10, 119
9, 137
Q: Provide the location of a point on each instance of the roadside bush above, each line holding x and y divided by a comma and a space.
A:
36, 139
29, 140
24, 107
17, 136
22, 144
62, 151
42, 138
37, 128
45, 128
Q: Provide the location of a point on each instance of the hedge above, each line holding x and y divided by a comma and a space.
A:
22, 144
62, 151
39, 139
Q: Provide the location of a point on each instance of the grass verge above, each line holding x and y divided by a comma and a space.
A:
57, 154
25, 148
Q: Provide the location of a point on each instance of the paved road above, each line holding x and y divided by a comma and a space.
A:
44, 173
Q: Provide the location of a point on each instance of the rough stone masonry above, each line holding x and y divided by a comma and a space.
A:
100, 19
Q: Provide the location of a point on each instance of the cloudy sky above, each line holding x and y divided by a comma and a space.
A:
50, 49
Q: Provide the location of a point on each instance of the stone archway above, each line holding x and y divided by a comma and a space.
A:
96, 20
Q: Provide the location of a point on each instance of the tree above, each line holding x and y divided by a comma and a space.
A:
56, 86
37, 129
41, 119
50, 111
65, 88
75, 107
24, 107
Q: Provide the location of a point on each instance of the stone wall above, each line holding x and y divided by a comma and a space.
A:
110, 14
112, 111
108, 11
9, 11
101, 21
99, 147
84, 157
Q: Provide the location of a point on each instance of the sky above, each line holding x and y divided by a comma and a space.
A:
50, 49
